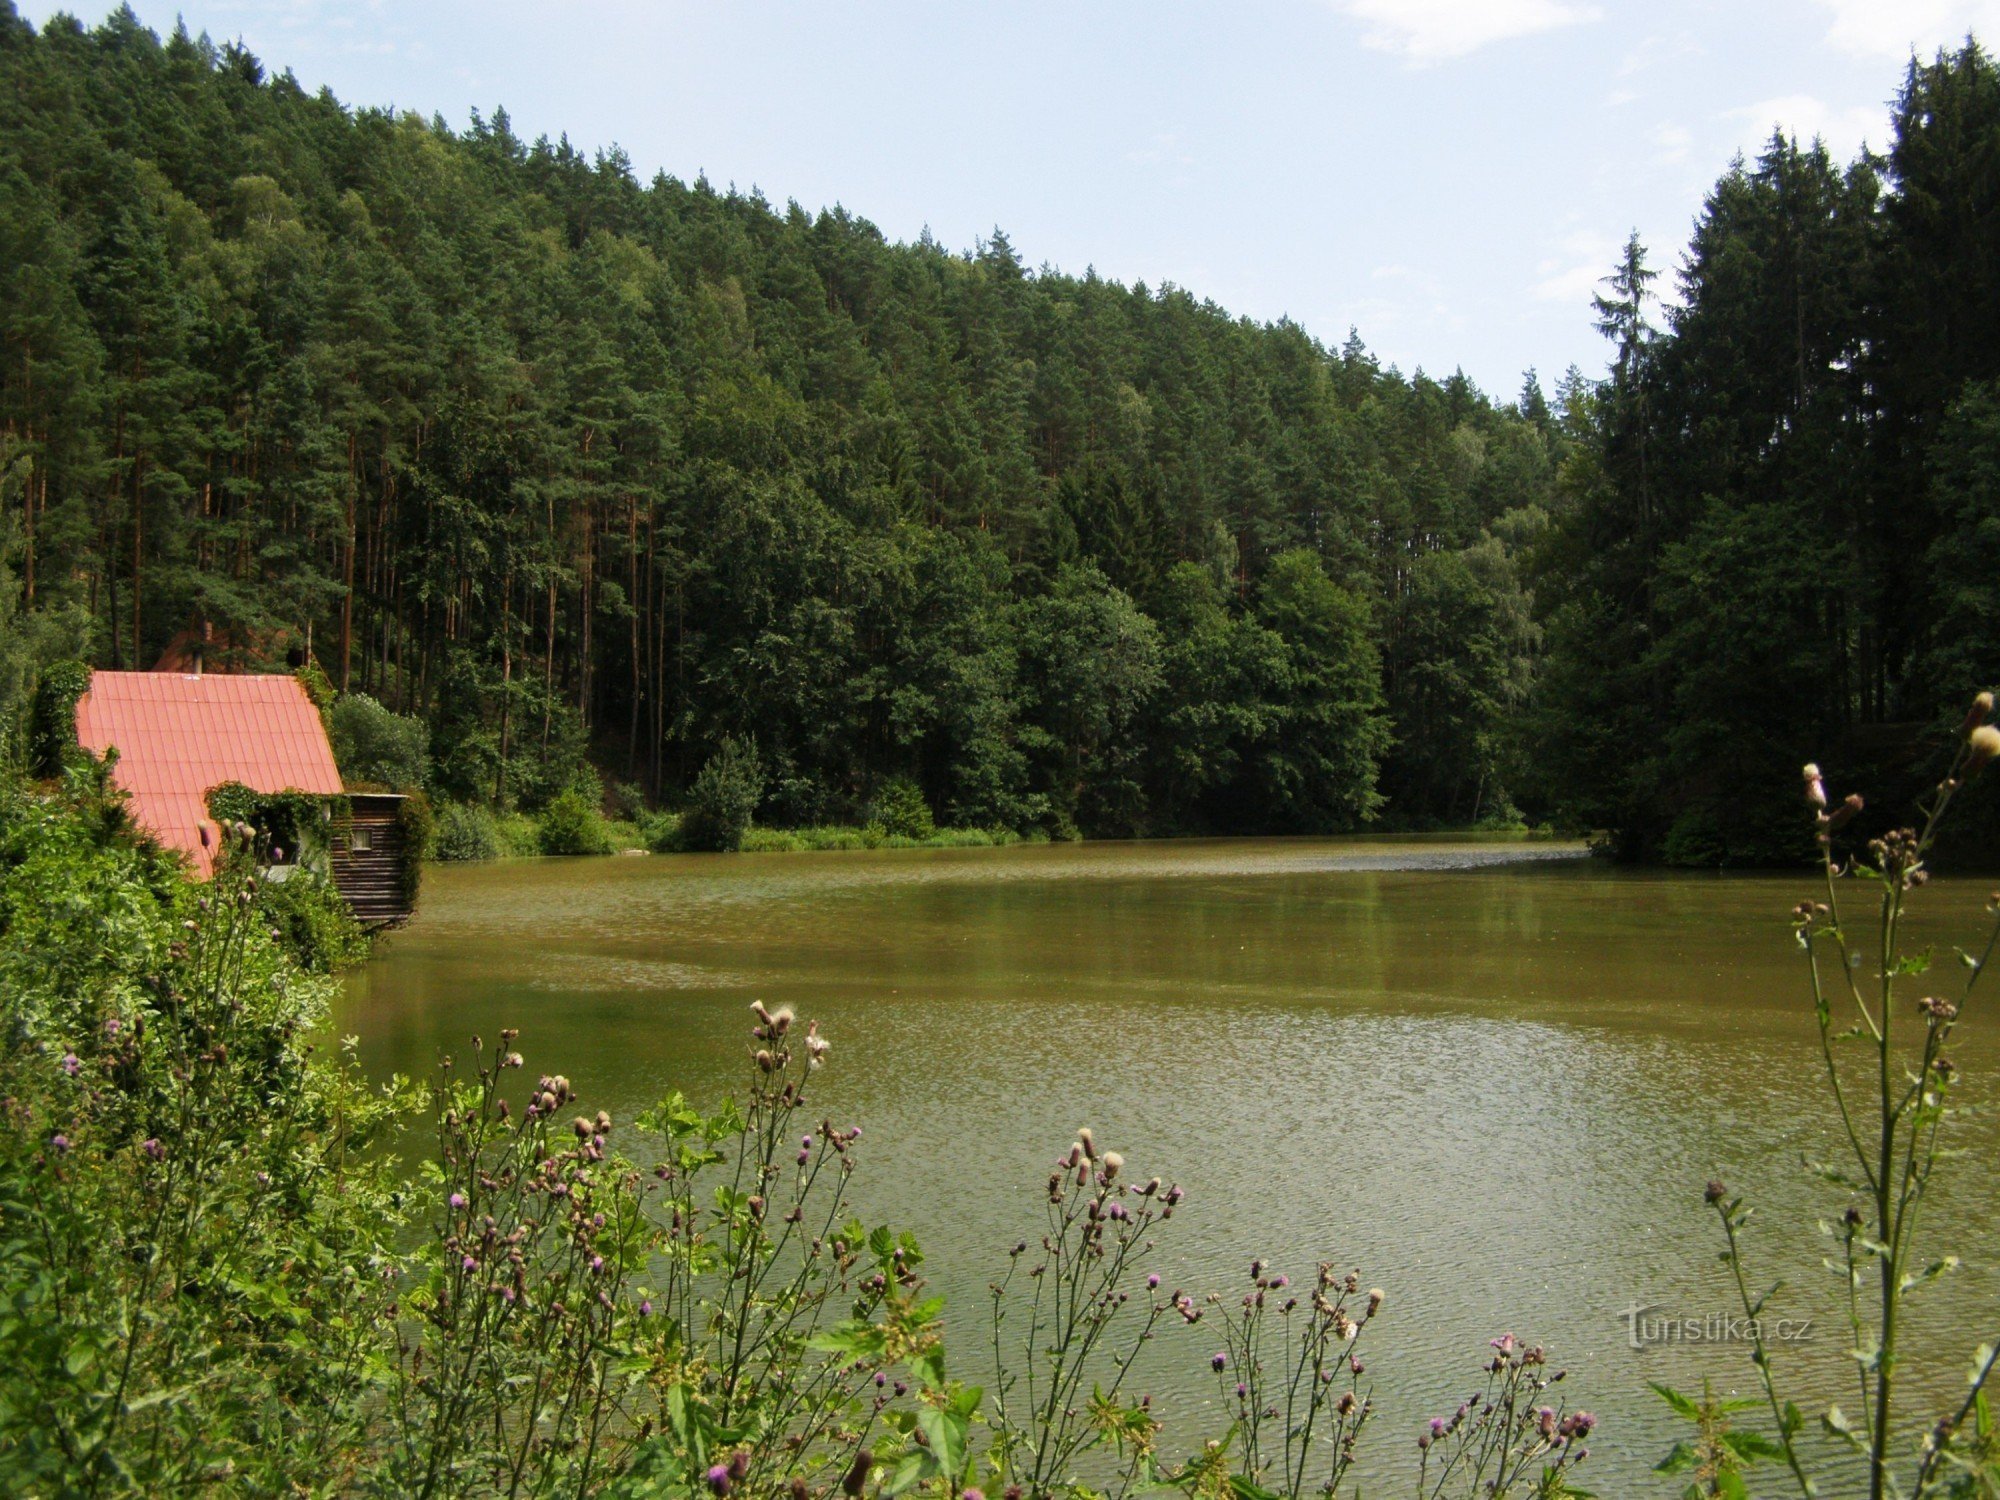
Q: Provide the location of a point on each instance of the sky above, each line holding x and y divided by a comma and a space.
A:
1450, 178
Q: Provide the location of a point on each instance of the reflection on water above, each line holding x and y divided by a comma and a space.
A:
1495, 1084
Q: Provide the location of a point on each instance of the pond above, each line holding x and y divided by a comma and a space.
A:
1492, 1075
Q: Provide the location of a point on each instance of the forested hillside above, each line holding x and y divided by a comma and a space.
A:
571, 464
584, 470
1783, 542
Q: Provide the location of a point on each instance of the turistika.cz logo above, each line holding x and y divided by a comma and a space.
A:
1650, 1325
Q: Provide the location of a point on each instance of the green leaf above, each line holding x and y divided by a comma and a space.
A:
1682, 1406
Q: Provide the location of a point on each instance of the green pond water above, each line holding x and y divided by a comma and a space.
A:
1493, 1076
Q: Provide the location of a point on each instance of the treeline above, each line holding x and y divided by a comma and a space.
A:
581, 469
1782, 542
589, 472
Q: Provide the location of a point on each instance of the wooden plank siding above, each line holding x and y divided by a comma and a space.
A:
366, 855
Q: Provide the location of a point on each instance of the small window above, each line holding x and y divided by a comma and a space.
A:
359, 840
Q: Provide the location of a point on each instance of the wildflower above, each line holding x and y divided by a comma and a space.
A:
113, 1026
1374, 1300
1218, 1361
1980, 747
781, 1020
59, 1143
1506, 1343
1545, 1419
1112, 1163
1715, 1192
1577, 1425
1982, 705
468, 1264
70, 1064
857, 1472
597, 1265
1437, 1427
152, 1147
458, 1200
1088, 1141
972, 1492
645, 1307
1153, 1282
718, 1479
1815, 787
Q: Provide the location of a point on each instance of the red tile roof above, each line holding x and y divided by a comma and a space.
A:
177, 737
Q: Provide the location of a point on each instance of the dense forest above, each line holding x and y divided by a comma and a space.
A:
587, 473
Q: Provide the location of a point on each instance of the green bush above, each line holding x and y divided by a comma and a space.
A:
723, 798
901, 810
571, 824
376, 747
466, 832
52, 731
312, 922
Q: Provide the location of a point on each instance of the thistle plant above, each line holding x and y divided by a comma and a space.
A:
1064, 1342
1297, 1419
504, 1369
1890, 1078
1509, 1440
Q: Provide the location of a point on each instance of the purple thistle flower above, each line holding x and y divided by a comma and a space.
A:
597, 1265
1153, 1282
113, 1026
458, 1200
1242, 1390
1218, 1362
468, 1264
646, 1307
1437, 1427
152, 1147
718, 1478
70, 1064
59, 1143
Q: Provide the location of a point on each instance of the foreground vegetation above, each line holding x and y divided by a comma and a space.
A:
217, 1274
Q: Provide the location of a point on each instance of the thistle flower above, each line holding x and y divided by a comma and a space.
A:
70, 1064
152, 1147
1113, 1163
59, 1143
718, 1479
1217, 1362
1088, 1141
1815, 787
857, 1472
1980, 746
458, 1200
1374, 1300
1976, 714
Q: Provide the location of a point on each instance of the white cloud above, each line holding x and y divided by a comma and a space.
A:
1894, 28
1673, 144
1576, 263
1427, 31
1843, 128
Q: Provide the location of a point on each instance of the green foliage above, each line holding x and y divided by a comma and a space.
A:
319, 688
571, 824
52, 733
569, 464
901, 811
375, 747
723, 798
313, 922
466, 831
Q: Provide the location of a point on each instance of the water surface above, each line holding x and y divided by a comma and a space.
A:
1493, 1076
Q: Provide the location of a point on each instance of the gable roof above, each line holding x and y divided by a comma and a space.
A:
177, 737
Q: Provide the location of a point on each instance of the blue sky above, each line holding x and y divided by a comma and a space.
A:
1450, 177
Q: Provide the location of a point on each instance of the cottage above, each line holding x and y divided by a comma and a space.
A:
179, 736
